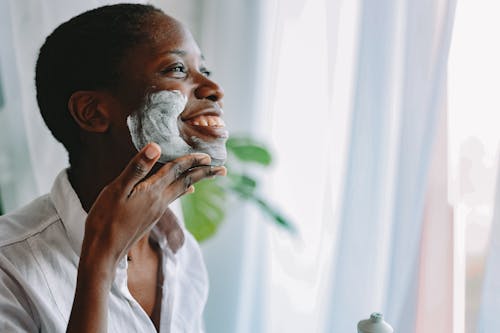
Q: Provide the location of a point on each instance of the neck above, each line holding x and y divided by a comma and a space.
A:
87, 192
90, 174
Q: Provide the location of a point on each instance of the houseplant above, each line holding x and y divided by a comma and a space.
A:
205, 210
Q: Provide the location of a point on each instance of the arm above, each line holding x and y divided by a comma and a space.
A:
16, 314
123, 213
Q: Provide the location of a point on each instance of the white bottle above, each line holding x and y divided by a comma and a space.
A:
375, 324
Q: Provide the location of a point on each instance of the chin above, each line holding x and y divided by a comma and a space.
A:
216, 149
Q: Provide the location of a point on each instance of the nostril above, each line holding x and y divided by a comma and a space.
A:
213, 98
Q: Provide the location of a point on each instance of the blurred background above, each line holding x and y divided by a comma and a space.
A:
380, 118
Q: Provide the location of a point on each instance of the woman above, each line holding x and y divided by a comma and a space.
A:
102, 252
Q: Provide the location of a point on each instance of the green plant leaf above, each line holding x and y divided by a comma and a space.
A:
265, 207
274, 214
243, 183
204, 210
248, 150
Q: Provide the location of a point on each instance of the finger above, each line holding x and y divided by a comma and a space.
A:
139, 166
192, 176
174, 169
191, 189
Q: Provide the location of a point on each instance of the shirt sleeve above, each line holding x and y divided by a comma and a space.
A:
15, 312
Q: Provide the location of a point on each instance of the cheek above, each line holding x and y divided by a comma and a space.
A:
161, 83
118, 111
121, 134
157, 122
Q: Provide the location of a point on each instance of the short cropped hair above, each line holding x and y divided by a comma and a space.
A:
85, 53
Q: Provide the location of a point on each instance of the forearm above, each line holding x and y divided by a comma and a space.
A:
90, 305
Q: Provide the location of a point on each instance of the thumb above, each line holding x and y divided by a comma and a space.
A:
139, 166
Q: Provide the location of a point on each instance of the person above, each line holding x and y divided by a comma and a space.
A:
102, 252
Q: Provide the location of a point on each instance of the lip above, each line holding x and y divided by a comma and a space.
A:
211, 111
205, 133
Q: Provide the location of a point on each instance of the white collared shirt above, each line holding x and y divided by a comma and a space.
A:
39, 254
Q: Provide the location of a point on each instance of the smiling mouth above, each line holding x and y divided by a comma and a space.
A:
204, 121
207, 127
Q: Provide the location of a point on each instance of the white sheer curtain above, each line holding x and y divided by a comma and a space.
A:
349, 95
359, 87
488, 319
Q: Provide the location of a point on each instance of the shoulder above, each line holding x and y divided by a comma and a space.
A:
30, 262
27, 221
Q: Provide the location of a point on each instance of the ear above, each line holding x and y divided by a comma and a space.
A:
87, 109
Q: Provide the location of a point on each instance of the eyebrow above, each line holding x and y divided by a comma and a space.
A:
183, 53
178, 52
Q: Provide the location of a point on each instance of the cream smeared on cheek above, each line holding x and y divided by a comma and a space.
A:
157, 122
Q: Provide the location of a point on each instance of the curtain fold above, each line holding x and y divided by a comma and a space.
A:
488, 318
361, 254
435, 288
427, 38
369, 242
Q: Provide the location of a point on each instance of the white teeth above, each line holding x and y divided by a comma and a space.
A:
211, 121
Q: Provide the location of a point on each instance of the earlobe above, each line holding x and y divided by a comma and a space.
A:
88, 112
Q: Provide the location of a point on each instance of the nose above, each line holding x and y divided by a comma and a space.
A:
208, 89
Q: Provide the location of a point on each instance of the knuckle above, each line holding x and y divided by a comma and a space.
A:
209, 171
177, 169
139, 169
195, 161
188, 181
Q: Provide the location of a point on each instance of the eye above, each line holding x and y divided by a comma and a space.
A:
177, 70
205, 72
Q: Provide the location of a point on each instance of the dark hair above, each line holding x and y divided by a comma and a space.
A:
85, 53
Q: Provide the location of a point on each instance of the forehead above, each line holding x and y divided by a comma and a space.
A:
167, 34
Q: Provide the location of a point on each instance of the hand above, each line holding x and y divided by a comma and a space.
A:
128, 207
125, 211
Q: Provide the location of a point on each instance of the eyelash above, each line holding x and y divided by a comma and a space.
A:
180, 68
177, 68
205, 72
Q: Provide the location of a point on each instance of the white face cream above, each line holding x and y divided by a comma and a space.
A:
158, 121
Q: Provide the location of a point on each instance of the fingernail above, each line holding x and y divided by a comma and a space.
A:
206, 159
191, 189
220, 172
152, 151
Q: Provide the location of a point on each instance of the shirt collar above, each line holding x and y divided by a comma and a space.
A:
70, 210
73, 216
